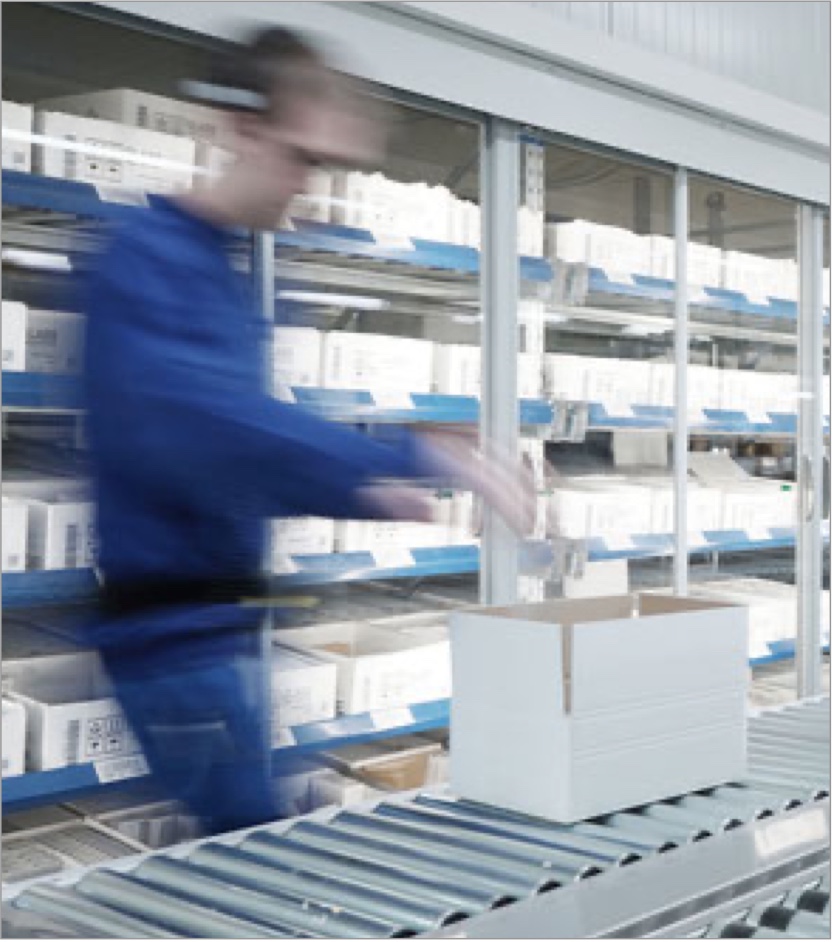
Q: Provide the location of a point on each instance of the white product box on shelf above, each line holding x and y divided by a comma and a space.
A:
157, 825
14, 336
566, 377
704, 389
15, 534
757, 506
772, 614
760, 278
333, 788
303, 688
598, 579
457, 369
296, 355
107, 169
54, 341
71, 718
615, 250
62, 533
704, 263
14, 738
377, 362
661, 384
379, 669
618, 384
572, 709
529, 376
704, 508
386, 536
301, 536
139, 109
758, 393
17, 155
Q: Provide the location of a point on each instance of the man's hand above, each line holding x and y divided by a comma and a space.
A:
504, 483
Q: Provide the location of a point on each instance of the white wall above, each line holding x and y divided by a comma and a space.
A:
782, 48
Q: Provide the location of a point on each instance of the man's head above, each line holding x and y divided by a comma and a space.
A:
289, 111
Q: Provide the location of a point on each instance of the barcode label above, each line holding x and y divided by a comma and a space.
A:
73, 741
119, 194
116, 770
71, 554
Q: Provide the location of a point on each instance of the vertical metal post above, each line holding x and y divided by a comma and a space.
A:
263, 290
809, 451
499, 303
680, 443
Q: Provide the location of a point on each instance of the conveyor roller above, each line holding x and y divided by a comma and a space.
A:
415, 864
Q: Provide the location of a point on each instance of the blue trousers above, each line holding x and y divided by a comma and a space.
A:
200, 708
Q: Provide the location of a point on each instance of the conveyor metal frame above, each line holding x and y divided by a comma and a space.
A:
670, 895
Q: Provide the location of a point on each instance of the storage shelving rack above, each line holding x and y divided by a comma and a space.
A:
308, 252
62, 206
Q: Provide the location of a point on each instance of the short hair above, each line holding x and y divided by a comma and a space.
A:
263, 74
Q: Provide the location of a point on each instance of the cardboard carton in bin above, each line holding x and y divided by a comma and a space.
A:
572, 709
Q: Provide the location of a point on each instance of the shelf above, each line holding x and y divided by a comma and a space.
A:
45, 587
48, 391
661, 290
55, 392
364, 406
29, 191
710, 422
651, 545
784, 650
57, 785
418, 253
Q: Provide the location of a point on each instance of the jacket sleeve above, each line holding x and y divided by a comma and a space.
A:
175, 408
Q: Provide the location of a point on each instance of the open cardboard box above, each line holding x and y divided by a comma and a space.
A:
572, 709
379, 668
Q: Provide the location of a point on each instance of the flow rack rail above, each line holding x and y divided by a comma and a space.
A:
602, 284
429, 863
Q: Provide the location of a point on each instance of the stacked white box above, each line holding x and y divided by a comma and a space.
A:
54, 341
13, 738
303, 689
300, 536
529, 376
705, 390
139, 109
382, 536
457, 369
569, 710
771, 607
296, 356
566, 377
14, 336
379, 669
618, 384
17, 154
760, 278
71, 718
62, 533
15, 535
107, 168
377, 362
316, 202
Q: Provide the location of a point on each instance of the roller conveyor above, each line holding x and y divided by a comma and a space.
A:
429, 864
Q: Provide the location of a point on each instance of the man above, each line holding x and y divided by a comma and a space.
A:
191, 455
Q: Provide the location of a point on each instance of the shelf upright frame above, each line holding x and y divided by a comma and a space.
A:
680, 431
809, 452
499, 302
262, 263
